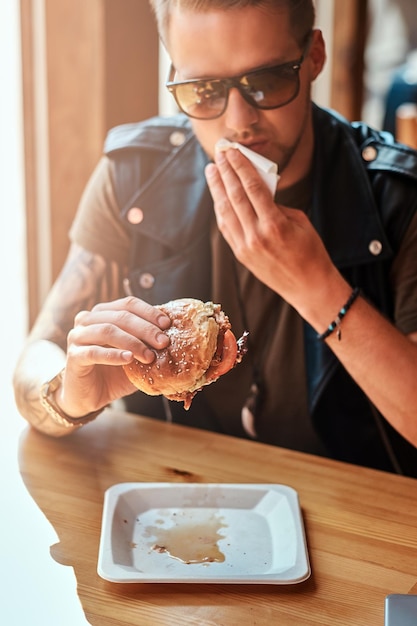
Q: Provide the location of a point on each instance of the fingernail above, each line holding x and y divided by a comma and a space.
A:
161, 338
210, 170
233, 154
220, 157
127, 356
164, 321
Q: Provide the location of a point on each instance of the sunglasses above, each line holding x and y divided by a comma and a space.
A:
264, 88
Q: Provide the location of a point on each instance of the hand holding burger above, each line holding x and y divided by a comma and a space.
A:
202, 348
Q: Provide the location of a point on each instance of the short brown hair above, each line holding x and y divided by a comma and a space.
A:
301, 12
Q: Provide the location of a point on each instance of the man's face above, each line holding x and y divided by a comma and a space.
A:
222, 44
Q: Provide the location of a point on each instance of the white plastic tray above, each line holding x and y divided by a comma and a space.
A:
202, 533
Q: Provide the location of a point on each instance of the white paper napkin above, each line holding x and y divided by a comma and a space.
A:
267, 169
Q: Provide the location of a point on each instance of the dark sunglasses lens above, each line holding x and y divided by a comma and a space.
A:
202, 99
271, 87
266, 89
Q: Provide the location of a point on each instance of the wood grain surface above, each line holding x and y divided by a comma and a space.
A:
361, 524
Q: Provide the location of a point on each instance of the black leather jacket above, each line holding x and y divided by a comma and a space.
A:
364, 198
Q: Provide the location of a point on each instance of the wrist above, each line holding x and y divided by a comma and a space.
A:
322, 304
48, 401
335, 325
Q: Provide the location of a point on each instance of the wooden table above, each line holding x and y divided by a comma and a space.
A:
361, 524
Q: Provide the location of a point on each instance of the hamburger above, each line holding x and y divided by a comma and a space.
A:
202, 348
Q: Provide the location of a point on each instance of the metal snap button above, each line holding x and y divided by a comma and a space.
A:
369, 153
135, 215
177, 138
375, 247
146, 280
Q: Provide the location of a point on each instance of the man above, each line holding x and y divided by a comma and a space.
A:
285, 269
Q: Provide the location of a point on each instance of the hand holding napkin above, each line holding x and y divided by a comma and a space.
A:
267, 169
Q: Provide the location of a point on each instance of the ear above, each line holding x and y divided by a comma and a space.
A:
317, 54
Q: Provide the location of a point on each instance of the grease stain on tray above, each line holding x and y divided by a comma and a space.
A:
188, 535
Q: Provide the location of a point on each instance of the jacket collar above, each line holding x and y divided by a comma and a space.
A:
178, 182
343, 211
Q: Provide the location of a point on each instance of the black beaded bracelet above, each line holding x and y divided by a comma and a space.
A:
336, 323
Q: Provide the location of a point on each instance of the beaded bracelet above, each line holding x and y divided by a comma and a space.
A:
336, 323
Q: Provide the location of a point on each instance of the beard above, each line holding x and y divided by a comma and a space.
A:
283, 154
277, 151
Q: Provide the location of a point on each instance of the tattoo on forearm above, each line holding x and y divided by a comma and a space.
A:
85, 280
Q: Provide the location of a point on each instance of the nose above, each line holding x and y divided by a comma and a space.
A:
239, 114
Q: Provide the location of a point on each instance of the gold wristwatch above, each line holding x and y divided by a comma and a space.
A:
56, 413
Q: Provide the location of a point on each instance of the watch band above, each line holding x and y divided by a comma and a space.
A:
56, 413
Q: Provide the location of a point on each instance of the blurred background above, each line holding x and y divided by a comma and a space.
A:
14, 309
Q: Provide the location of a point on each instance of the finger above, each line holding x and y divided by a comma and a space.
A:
120, 330
227, 220
124, 320
250, 184
232, 183
137, 307
92, 355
